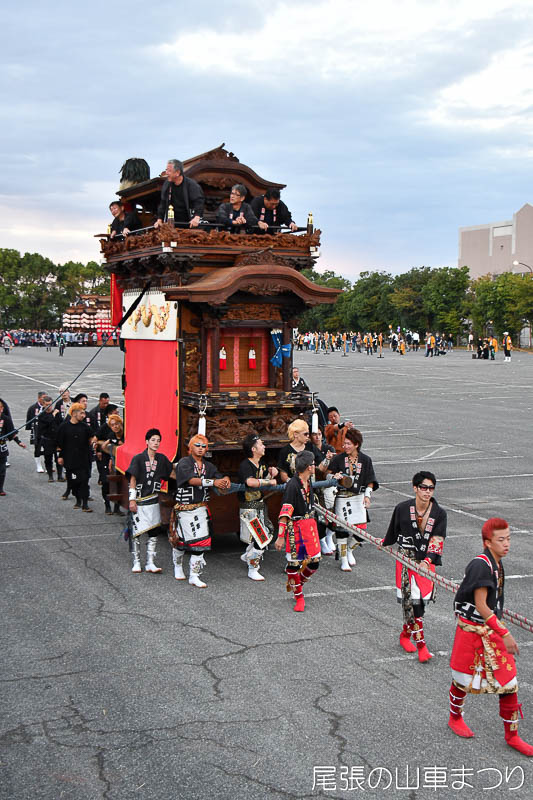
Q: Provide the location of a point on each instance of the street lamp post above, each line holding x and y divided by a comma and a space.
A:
521, 263
516, 264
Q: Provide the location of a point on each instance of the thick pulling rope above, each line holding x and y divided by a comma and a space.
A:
446, 583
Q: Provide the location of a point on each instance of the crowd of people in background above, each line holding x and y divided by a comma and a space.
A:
399, 341
68, 440
19, 337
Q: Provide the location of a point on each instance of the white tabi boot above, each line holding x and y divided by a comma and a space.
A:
254, 562
343, 556
352, 544
245, 556
38, 465
330, 543
136, 554
150, 555
196, 566
177, 560
324, 549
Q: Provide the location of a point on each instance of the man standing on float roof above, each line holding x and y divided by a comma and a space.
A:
482, 659
183, 194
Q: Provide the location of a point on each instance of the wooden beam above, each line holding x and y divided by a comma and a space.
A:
203, 361
215, 365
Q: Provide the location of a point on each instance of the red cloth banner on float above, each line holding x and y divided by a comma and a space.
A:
150, 397
116, 301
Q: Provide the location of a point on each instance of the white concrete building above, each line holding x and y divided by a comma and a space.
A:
493, 247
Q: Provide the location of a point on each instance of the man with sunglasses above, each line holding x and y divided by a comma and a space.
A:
418, 526
189, 525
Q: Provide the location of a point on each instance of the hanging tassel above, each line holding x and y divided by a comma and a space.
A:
202, 408
314, 415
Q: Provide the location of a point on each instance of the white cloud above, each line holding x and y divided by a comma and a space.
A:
493, 98
66, 236
334, 39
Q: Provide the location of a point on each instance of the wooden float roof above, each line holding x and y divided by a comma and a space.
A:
264, 280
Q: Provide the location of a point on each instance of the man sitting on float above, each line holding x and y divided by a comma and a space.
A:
272, 212
124, 221
237, 215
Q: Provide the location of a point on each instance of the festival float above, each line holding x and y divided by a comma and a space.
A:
208, 348
90, 313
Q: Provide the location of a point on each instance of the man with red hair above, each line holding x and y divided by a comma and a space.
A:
483, 652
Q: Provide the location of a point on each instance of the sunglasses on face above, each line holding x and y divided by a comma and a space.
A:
426, 488
197, 444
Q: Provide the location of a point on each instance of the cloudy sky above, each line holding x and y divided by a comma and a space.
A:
394, 121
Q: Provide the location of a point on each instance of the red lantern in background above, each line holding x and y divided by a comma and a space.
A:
251, 359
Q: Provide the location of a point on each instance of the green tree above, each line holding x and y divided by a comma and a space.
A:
369, 301
34, 292
325, 316
444, 298
503, 300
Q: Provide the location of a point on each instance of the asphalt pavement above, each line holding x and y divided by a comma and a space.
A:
137, 686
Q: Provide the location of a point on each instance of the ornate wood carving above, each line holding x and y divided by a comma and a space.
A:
228, 427
219, 183
264, 256
193, 358
219, 154
253, 311
263, 288
194, 237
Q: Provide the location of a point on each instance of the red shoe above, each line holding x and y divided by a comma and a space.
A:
300, 604
459, 727
405, 641
424, 654
2, 494
518, 744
